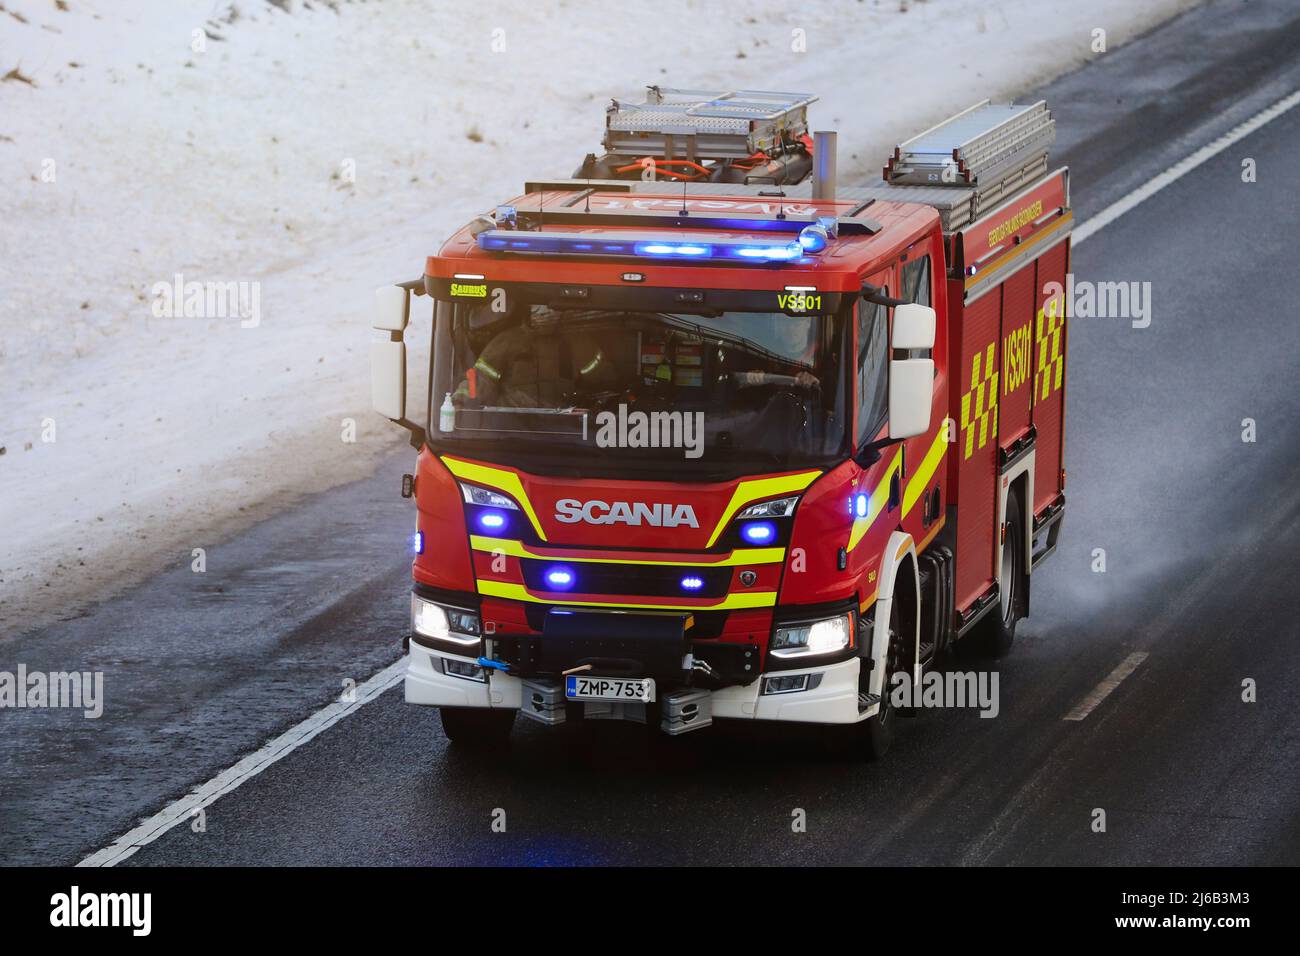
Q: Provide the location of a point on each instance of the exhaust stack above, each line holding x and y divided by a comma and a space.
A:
824, 142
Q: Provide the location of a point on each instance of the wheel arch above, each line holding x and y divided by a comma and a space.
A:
898, 567
1019, 478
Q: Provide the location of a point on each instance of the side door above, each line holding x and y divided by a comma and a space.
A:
877, 495
922, 475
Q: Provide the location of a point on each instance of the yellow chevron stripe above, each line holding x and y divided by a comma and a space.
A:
918, 485
875, 504
732, 602
497, 478
741, 556
760, 489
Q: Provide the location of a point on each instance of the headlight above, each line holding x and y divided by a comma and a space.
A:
813, 637
443, 623
776, 508
475, 495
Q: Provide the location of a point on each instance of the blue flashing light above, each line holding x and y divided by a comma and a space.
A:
491, 521
792, 250
672, 249
814, 238
417, 542
692, 583
758, 532
860, 506
560, 578
649, 245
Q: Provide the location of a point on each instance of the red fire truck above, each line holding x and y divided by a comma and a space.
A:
710, 436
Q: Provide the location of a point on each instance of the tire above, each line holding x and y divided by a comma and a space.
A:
877, 732
997, 632
477, 726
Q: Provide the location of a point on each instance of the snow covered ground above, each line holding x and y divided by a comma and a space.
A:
318, 148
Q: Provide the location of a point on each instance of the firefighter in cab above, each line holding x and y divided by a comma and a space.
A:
534, 362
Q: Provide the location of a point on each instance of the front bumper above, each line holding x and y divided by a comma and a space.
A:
428, 684
833, 701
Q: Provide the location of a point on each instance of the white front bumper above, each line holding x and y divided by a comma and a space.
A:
427, 684
833, 701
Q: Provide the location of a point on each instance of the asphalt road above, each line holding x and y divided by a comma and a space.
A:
1198, 527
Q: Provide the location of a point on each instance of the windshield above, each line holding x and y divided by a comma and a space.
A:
673, 394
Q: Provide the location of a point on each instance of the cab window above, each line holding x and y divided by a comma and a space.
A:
873, 369
916, 281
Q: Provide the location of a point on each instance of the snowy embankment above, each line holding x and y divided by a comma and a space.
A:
316, 150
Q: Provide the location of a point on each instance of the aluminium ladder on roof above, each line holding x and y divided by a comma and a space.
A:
983, 147
705, 124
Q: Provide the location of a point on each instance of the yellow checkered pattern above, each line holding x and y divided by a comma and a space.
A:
981, 388
1051, 361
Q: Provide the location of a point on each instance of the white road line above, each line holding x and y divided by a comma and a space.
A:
1103, 690
1181, 168
183, 809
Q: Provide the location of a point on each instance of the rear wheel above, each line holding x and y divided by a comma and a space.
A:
997, 631
477, 726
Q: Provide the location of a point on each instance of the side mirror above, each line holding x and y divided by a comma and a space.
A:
388, 356
388, 379
392, 308
913, 327
911, 380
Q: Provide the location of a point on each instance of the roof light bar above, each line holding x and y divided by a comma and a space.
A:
641, 245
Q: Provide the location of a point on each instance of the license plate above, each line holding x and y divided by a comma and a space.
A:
609, 688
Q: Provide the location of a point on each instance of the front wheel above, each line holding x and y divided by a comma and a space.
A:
877, 732
477, 726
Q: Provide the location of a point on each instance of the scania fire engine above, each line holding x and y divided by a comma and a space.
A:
710, 436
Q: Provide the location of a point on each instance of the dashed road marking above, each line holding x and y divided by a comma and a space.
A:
1103, 690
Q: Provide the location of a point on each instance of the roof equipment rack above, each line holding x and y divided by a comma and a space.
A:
993, 148
705, 124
